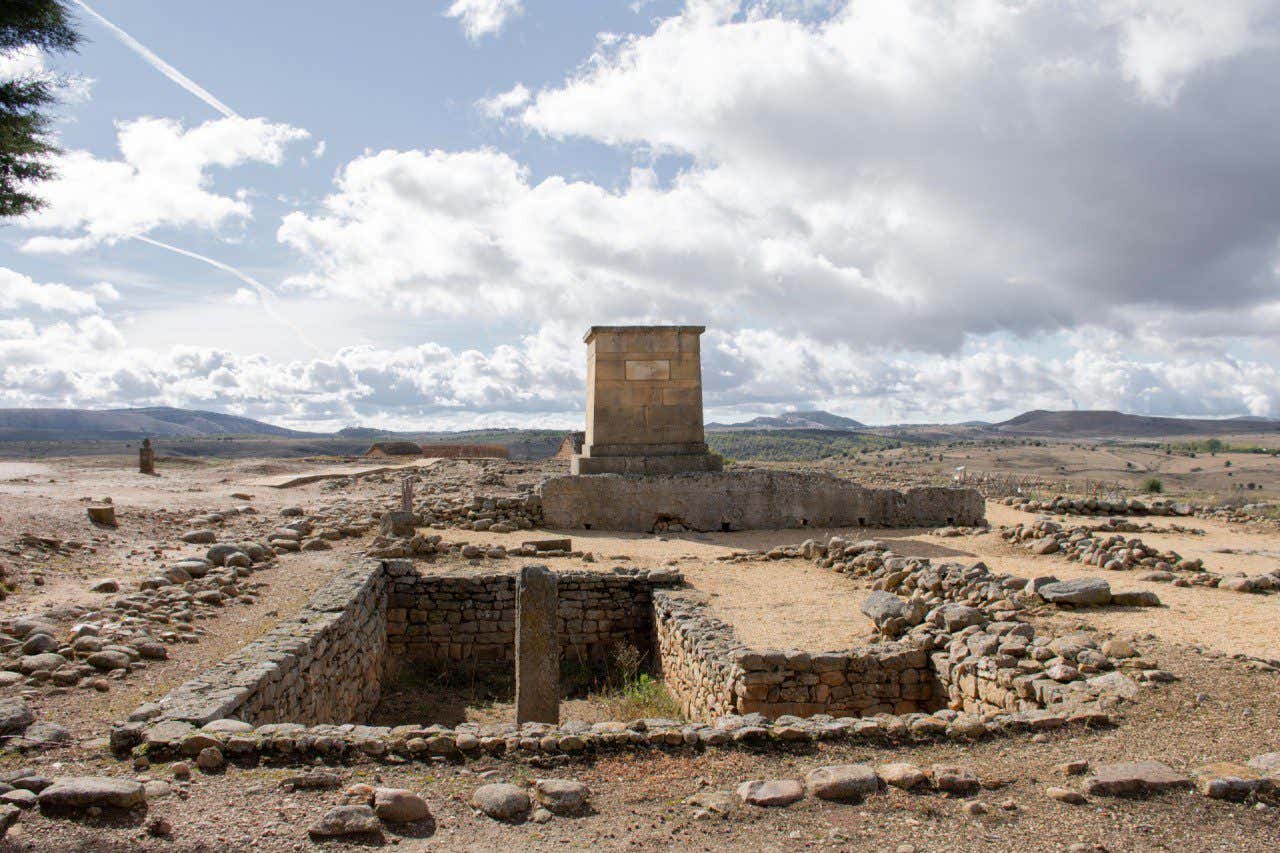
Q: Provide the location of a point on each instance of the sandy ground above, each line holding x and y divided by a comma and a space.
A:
1219, 711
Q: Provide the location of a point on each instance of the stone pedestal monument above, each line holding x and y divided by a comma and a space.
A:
644, 402
146, 458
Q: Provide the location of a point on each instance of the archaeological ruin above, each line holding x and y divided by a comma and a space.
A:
644, 462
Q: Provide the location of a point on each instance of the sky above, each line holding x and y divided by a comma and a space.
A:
895, 210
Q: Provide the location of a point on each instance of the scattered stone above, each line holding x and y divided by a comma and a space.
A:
341, 821
501, 801
399, 805
81, 792
104, 514
211, 759
1227, 780
105, 585
1135, 777
8, 816
952, 780
901, 775
1065, 795
771, 792
15, 716
561, 796
1078, 592
842, 782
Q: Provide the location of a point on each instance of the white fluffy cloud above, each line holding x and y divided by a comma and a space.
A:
540, 379
481, 18
895, 209
912, 175
20, 292
163, 178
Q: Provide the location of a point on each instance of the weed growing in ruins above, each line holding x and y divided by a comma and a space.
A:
1152, 486
629, 692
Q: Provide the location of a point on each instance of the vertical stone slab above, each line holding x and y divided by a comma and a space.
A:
537, 646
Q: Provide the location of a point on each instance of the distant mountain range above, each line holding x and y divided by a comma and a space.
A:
1103, 424
128, 424
45, 425
792, 420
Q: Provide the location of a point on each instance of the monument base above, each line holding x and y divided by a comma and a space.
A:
747, 500
647, 465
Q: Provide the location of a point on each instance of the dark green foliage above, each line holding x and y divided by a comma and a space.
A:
24, 124
1152, 485
798, 445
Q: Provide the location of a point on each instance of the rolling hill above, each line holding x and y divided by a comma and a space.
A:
128, 424
1106, 424
792, 420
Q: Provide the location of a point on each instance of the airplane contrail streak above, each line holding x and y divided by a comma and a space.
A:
264, 293
160, 65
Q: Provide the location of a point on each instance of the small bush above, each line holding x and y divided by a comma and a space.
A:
1152, 486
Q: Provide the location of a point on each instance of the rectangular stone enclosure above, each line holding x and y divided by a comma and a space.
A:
644, 402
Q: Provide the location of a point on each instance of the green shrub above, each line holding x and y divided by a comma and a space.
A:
1152, 486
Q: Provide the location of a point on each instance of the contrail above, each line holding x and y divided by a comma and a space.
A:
264, 292
160, 65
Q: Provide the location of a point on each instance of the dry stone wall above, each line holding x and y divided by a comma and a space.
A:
325, 664
457, 619
711, 673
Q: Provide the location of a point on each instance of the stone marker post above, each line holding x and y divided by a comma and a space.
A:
146, 458
406, 494
537, 647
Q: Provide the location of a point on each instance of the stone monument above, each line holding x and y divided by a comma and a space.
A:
537, 646
146, 458
644, 402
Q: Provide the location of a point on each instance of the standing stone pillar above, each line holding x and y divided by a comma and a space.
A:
537, 647
146, 458
406, 494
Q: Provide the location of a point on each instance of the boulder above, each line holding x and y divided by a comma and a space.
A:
399, 805
842, 782
770, 792
1135, 777
81, 792
902, 775
501, 801
561, 796
882, 606
104, 514
346, 820
15, 716
1079, 592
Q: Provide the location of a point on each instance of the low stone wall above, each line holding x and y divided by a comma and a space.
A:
747, 500
710, 673
325, 664
469, 619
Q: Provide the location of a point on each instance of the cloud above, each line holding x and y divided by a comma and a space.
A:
28, 63
161, 179
481, 18
21, 292
539, 380
500, 105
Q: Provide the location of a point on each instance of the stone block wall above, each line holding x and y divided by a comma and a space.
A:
323, 665
327, 664
710, 673
748, 500
469, 619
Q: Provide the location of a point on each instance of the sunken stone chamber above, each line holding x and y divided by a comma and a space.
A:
328, 663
